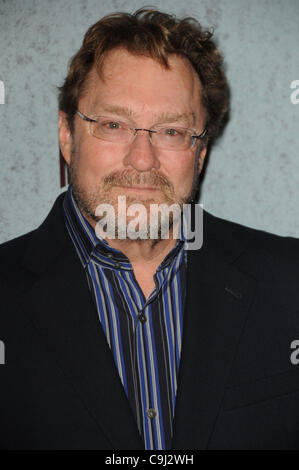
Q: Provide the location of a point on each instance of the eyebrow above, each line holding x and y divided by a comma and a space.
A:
163, 117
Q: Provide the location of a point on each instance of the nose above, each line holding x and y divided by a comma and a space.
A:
141, 155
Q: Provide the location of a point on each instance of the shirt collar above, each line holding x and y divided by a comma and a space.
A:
90, 246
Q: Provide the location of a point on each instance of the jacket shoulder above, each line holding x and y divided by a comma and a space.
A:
11, 253
271, 253
20, 256
15, 282
13, 248
239, 232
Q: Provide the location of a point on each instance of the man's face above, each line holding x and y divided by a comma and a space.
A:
141, 92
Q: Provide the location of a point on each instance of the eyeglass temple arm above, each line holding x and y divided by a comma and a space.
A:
85, 117
201, 136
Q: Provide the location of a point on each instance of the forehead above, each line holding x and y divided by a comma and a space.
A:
144, 86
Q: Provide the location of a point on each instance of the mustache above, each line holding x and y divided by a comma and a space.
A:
129, 178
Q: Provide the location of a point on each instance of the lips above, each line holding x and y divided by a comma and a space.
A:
137, 187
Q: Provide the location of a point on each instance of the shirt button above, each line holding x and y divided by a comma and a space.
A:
151, 413
142, 318
117, 265
109, 255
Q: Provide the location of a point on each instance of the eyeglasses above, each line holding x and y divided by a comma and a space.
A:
168, 138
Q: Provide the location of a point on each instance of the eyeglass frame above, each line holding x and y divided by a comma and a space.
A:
193, 137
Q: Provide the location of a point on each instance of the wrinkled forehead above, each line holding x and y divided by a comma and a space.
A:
127, 77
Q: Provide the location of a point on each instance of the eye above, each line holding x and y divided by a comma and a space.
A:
113, 125
171, 132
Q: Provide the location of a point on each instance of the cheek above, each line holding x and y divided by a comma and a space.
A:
180, 170
97, 159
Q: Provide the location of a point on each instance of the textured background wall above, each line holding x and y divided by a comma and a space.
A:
253, 171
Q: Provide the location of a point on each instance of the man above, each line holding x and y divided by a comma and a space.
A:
139, 343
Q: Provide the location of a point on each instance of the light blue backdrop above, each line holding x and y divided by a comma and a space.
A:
253, 171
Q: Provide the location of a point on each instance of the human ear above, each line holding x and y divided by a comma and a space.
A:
65, 137
202, 154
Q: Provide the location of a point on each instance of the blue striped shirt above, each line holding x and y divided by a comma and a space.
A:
144, 335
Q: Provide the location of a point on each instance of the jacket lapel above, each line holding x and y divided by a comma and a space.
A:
218, 298
62, 310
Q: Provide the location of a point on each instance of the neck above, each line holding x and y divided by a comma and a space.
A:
148, 252
142, 252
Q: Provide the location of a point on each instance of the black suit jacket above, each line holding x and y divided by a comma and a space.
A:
237, 387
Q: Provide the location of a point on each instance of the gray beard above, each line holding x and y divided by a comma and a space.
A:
87, 204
